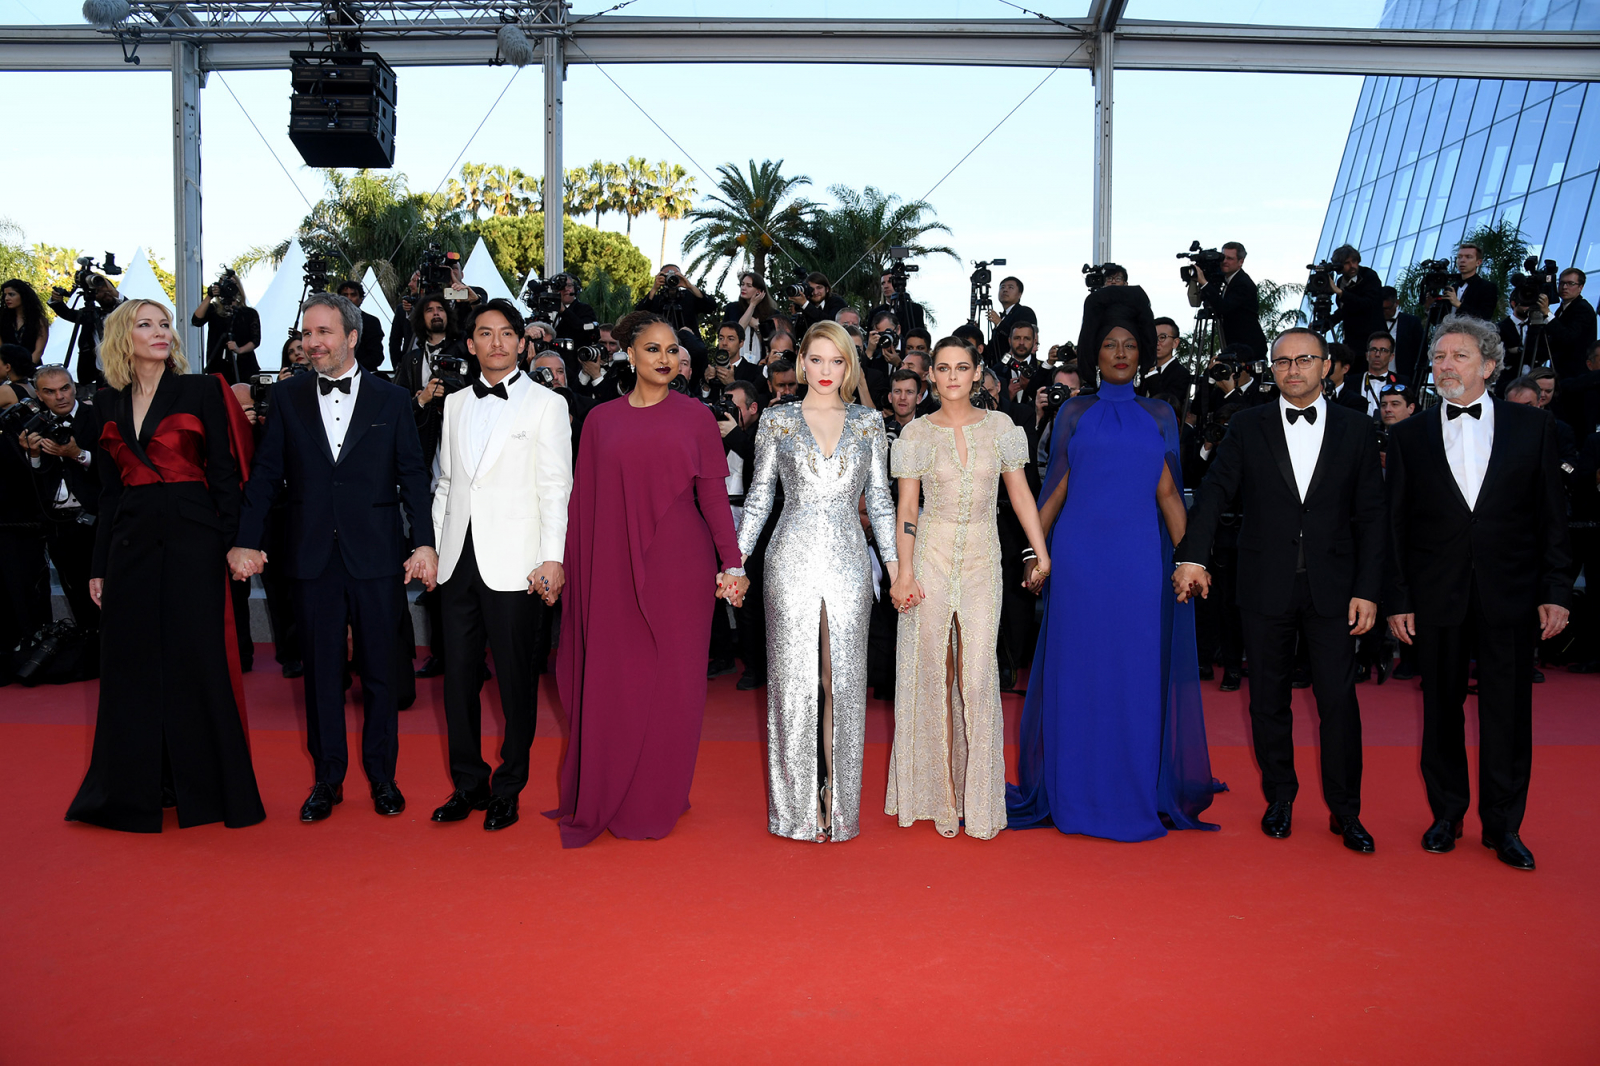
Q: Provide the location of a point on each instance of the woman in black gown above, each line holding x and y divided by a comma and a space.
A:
170, 720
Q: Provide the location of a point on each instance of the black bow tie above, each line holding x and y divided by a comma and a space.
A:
480, 390
1307, 413
1452, 412
327, 385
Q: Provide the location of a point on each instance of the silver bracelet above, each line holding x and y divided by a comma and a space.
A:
734, 571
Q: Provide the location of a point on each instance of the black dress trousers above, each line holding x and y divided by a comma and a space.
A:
507, 623
1270, 642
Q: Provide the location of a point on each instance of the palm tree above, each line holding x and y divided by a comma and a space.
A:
850, 243
502, 191
1270, 309
635, 188
750, 214
673, 196
598, 188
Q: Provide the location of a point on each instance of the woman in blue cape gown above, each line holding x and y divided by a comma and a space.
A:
1113, 740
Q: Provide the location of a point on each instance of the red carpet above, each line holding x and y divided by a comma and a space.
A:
364, 939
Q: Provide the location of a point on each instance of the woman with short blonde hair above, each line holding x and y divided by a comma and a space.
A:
840, 339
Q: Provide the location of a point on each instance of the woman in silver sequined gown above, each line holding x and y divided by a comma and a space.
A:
819, 589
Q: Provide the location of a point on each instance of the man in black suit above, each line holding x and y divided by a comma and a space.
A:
1169, 375
1480, 559
1311, 547
1379, 374
344, 447
1234, 301
1571, 326
370, 354
1343, 383
68, 487
1360, 293
1406, 329
1012, 312
1476, 295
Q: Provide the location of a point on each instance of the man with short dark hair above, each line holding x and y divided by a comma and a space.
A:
1380, 373
919, 340
1360, 293
1406, 329
1012, 312
68, 488
1476, 295
785, 385
1168, 375
904, 389
907, 310
370, 354
817, 304
1571, 326
1233, 299
1479, 571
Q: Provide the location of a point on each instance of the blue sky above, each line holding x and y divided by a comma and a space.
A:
1213, 157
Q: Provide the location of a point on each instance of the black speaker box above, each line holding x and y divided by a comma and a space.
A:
342, 113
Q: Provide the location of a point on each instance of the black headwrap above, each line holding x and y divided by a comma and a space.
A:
1104, 310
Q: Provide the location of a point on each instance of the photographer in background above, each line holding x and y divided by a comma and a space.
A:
1236, 303
675, 298
24, 574
1012, 312
1342, 385
1471, 294
1360, 294
737, 419
904, 388
68, 488
577, 321
906, 310
814, 302
1517, 331
1380, 371
233, 330
785, 385
370, 352
15, 366
1571, 326
1232, 379
106, 298
1169, 375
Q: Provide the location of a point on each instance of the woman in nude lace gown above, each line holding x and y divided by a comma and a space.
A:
948, 762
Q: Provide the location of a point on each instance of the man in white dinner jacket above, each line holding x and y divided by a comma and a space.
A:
500, 521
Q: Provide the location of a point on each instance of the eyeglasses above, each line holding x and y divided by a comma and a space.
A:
1375, 348
1303, 362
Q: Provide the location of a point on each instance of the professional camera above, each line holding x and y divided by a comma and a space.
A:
1436, 277
898, 254
1319, 288
1094, 276
888, 340
980, 280
1205, 265
544, 297
436, 271
30, 416
1535, 281
1057, 393
543, 375
679, 383
891, 428
798, 289
316, 274
83, 279
226, 287
981, 398
1228, 364
722, 407
1214, 430
451, 370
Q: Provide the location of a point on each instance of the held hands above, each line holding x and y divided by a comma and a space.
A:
1034, 572
906, 592
1363, 613
732, 588
1190, 578
246, 562
423, 566
546, 582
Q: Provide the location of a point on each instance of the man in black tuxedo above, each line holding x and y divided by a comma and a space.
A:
68, 487
1311, 548
1234, 301
1476, 295
1169, 375
1012, 312
1360, 293
1571, 326
370, 354
1406, 329
1480, 556
343, 445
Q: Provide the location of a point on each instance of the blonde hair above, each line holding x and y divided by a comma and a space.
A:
832, 331
116, 349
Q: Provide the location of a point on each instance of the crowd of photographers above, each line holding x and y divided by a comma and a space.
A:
739, 360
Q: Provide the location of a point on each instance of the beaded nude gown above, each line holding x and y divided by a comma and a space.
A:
948, 761
817, 558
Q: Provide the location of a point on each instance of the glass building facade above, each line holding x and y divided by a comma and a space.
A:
1429, 159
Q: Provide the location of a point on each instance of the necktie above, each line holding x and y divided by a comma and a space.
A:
327, 385
1453, 412
1307, 413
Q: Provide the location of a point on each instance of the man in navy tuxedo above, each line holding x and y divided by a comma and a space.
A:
343, 445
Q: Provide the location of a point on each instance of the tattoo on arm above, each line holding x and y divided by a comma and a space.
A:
911, 530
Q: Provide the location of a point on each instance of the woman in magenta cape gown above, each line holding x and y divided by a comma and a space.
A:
648, 520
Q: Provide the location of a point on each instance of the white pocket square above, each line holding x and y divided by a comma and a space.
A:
520, 435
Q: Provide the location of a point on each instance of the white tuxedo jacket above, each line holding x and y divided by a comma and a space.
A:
516, 497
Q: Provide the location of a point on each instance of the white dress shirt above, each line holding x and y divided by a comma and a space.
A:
1372, 391
482, 414
64, 497
1305, 441
337, 408
1467, 444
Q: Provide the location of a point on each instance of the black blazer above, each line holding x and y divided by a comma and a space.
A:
1570, 331
1174, 378
1361, 310
1340, 523
354, 504
82, 481
1513, 544
1480, 299
999, 343
369, 351
1408, 337
1349, 394
1238, 312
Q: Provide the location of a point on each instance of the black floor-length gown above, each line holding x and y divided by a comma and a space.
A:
170, 712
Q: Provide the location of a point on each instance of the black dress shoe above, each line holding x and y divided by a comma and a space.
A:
1402, 672
432, 666
459, 805
1230, 681
1383, 669
1301, 679
1208, 673
1276, 822
502, 812
321, 802
1356, 837
1008, 678
1363, 674
751, 680
386, 798
718, 667
1538, 679
1441, 836
294, 669
1510, 849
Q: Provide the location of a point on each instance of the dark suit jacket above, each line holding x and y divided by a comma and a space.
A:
1360, 309
1480, 300
1340, 524
82, 481
1570, 331
1174, 378
1349, 394
1513, 544
1408, 337
352, 506
369, 352
994, 352
1238, 312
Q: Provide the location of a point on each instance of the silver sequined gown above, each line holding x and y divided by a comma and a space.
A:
817, 556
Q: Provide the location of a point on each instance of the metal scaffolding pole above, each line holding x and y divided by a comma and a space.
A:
555, 73
188, 266
1102, 145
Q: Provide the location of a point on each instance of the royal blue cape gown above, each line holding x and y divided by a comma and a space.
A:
1112, 741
